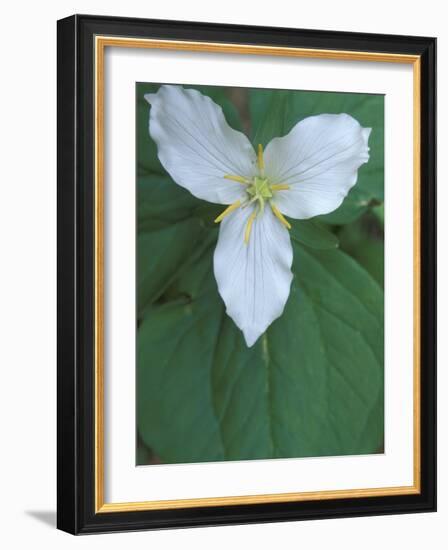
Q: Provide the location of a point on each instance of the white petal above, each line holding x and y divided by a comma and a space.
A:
253, 279
319, 160
196, 146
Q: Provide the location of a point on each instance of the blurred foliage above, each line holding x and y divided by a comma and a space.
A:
313, 383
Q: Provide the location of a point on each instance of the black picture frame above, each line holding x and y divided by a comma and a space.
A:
76, 252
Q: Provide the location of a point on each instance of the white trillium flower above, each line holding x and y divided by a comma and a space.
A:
304, 174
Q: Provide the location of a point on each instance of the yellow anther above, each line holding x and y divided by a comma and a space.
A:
279, 187
238, 179
260, 158
280, 216
250, 221
228, 210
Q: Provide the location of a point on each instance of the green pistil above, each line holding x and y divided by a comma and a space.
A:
259, 188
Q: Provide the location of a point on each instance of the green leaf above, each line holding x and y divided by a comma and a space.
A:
371, 256
161, 202
378, 211
364, 241
269, 115
311, 386
161, 255
313, 234
355, 204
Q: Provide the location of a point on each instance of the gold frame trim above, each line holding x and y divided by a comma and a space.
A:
101, 42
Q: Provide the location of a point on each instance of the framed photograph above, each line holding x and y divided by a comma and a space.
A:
246, 274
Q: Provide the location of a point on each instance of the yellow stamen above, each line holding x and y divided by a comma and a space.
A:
238, 179
260, 158
280, 216
250, 221
228, 210
279, 187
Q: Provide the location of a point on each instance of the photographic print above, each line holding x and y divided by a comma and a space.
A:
229, 317
260, 257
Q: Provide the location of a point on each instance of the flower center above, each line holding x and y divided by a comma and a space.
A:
259, 190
